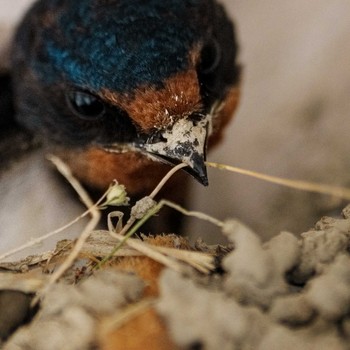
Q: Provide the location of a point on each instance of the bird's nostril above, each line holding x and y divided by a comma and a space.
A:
156, 138
196, 118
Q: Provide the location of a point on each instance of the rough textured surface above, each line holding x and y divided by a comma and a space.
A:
223, 321
260, 302
67, 319
286, 293
256, 271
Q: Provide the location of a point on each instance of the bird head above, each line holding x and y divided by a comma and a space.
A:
128, 75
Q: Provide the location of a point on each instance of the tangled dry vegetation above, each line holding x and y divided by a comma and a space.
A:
109, 291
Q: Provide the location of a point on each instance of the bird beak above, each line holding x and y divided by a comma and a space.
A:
184, 142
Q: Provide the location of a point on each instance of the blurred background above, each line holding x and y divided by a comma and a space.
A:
294, 116
293, 119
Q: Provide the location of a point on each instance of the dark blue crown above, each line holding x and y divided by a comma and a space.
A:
115, 44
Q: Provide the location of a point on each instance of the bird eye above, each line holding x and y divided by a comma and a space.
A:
85, 105
210, 57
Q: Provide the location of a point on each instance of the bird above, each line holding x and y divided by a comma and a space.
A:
125, 89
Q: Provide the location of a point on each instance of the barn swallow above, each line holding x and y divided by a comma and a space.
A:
121, 89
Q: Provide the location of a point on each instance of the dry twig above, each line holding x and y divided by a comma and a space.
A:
94, 211
337, 191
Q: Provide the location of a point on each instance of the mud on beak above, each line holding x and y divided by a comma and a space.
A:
184, 142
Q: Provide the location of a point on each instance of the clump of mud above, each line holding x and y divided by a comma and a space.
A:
287, 293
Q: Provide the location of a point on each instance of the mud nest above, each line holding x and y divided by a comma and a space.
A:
288, 293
